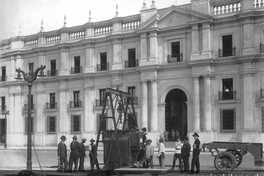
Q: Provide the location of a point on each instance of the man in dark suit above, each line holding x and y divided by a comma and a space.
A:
62, 155
82, 154
93, 156
74, 155
185, 153
196, 152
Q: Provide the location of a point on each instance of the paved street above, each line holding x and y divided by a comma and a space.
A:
14, 160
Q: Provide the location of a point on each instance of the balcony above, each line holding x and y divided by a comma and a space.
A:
174, 58
100, 103
131, 63
102, 67
135, 101
75, 104
226, 52
3, 78
231, 95
51, 105
26, 107
75, 70
52, 73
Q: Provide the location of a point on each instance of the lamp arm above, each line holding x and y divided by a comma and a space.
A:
23, 73
42, 67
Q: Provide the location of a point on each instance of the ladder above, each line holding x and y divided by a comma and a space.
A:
121, 100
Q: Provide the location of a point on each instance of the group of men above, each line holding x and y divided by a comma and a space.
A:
182, 153
78, 151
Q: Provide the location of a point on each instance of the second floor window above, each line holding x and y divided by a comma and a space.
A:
76, 99
77, 64
228, 49
51, 124
103, 59
228, 120
3, 105
30, 68
52, 101
227, 90
53, 70
76, 124
3, 71
132, 91
132, 62
32, 125
175, 53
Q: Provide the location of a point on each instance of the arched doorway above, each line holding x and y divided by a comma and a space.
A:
176, 114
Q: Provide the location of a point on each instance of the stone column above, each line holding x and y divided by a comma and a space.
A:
154, 107
64, 65
89, 62
195, 39
196, 105
144, 104
248, 40
206, 38
153, 45
207, 108
39, 119
88, 110
117, 64
143, 47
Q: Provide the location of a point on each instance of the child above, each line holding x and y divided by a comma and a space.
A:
149, 154
161, 153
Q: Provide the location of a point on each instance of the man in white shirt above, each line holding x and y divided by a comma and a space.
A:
161, 153
177, 153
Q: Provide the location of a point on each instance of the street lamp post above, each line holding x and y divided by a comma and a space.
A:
30, 78
5, 112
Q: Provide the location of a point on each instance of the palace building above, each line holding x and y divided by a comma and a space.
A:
197, 67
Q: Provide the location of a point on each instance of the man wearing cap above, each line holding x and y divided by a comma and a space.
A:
185, 153
196, 153
93, 156
62, 155
75, 153
177, 153
82, 154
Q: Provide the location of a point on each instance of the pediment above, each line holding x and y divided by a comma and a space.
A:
173, 17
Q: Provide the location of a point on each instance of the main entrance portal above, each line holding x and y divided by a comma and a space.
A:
176, 114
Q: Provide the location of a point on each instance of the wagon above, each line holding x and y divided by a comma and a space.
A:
231, 154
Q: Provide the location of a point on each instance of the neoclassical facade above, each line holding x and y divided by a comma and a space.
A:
197, 67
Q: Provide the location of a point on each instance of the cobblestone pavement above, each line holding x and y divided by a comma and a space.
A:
14, 160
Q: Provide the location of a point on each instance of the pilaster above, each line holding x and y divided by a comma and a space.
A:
196, 105
195, 42
89, 62
154, 107
248, 40
144, 104
64, 69
63, 120
207, 108
117, 64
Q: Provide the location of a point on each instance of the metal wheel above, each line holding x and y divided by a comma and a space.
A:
237, 155
225, 161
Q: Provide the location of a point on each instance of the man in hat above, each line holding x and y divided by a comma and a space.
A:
196, 153
62, 155
185, 153
149, 154
93, 156
82, 154
74, 155
161, 153
177, 153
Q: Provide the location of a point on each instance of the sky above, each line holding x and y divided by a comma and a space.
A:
23, 17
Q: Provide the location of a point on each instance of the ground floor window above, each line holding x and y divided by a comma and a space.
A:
51, 124
228, 120
32, 125
75, 124
103, 123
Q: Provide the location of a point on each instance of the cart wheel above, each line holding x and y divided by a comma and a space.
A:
237, 155
225, 161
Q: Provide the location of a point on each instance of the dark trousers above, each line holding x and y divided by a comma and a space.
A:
63, 164
73, 159
81, 165
161, 160
195, 163
175, 157
186, 163
94, 161
149, 162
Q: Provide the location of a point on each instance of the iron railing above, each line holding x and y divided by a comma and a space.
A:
52, 72
175, 58
75, 104
75, 70
225, 52
26, 107
52, 105
3, 78
102, 67
131, 63
231, 95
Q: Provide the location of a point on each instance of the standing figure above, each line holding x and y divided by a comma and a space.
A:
172, 135
177, 153
177, 134
161, 153
62, 155
142, 153
149, 154
185, 153
74, 155
166, 135
196, 153
82, 154
93, 156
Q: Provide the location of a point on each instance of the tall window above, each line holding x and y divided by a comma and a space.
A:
227, 45
77, 64
103, 59
3, 76
228, 93
51, 125
53, 71
228, 120
32, 125
76, 98
175, 55
32, 103
132, 58
52, 101
131, 121
101, 96
30, 68
103, 123
3, 104
76, 124
132, 91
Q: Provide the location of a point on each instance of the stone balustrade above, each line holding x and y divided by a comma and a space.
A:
77, 35
226, 7
5, 47
258, 3
130, 25
53, 39
33, 42
103, 30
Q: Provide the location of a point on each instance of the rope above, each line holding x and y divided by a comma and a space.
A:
37, 156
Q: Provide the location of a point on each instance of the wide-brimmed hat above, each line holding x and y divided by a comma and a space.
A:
84, 139
92, 140
63, 137
195, 134
74, 137
144, 129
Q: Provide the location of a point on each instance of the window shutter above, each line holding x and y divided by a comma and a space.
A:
234, 118
221, 119
48, 124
